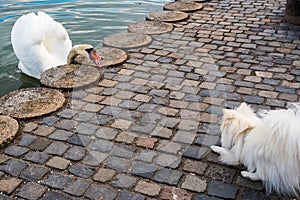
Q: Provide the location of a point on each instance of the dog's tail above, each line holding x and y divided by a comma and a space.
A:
282, 152
282, 182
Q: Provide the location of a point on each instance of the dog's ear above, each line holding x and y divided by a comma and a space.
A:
244, 127
228, 114
245, 109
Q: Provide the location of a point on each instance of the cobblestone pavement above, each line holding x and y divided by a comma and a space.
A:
144, 131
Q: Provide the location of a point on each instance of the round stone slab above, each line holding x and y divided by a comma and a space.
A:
167, 16
31, 102
183, 6
150, 27
109, 57
198, 1
8, 129
126, 40
70, 76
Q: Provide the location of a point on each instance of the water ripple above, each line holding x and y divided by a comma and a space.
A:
86, 21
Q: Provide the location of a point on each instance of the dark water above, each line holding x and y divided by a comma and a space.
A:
86, 21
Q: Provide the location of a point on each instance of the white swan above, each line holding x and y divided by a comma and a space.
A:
40, 43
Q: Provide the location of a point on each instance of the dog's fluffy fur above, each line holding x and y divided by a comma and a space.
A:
269, 146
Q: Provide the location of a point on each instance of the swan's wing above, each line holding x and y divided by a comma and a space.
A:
40, 43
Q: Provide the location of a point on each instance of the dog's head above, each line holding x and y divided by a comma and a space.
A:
236, 123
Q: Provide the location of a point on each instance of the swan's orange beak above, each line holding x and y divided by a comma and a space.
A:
95, 57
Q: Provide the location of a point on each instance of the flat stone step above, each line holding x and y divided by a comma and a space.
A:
183, 6
8, 129
150, 27
109, 57
167, 16
126, 40
70, 76
197, 1
31, 102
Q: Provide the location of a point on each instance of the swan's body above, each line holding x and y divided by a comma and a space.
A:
41, 43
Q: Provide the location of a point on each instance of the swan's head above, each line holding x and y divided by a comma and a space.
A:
86, 51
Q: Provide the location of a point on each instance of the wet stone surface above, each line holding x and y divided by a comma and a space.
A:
109, 57
183, 6
127, 40
70, 76
31, 102
144, 130
150, 27
167, 16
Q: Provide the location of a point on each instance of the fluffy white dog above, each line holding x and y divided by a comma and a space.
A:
268, 146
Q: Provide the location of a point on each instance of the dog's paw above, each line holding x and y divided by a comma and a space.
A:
249, 175
245, 174
216, 149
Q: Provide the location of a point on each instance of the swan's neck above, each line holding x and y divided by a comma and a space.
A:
71, 56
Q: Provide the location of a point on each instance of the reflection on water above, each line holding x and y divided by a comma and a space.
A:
86, 22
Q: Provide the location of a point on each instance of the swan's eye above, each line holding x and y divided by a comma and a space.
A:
89, 50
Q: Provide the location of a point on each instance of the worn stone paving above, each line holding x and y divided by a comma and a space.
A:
144, 131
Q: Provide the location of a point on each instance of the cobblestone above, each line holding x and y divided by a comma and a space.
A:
148, 188
15, 151
169, 176
36, 157
104, 175
61, 135
118, 164
222, 190
144, 169
57, 181
81, 140
184, 137
55, 195
36, 191
8, 185
101, 192
220, 173
162, 132
207, 140
75, 153
102, 145
94, 158
81, 171
43, 130
168, 147
39, 144
169, 193
194, 183
252, 194
123, 151
78, 187
58, 163
123, 181
13, 167
56, 148
26, 140
146, 142
197, 167
127, 195
33, 173
168, 160
195, 152
146, 155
